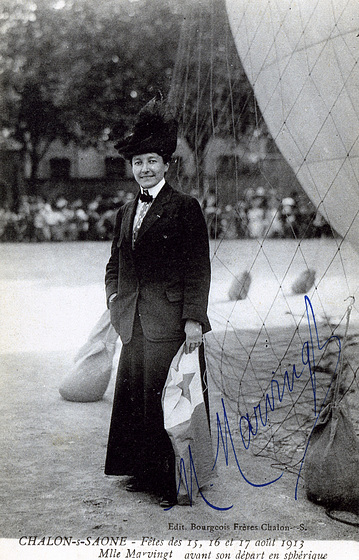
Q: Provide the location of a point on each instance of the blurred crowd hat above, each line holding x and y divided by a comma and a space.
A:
61, 202
155, 130
260, 192
288, 201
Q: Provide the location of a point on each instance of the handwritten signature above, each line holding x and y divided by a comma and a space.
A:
250, 425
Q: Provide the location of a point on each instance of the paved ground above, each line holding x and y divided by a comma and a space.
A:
54, 450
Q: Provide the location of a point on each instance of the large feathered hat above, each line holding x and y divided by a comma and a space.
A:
155, 130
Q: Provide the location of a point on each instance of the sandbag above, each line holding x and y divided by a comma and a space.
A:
304, 282
331, 468
240, 287
91, 373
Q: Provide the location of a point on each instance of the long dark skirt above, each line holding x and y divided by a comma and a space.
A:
138, 444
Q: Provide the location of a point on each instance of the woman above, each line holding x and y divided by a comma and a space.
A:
157, 285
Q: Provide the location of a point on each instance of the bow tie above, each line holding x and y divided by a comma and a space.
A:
145, 196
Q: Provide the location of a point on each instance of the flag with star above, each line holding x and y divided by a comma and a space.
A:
186, 422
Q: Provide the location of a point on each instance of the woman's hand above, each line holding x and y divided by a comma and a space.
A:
194, 336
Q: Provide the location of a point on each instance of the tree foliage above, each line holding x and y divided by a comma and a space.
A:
77, 69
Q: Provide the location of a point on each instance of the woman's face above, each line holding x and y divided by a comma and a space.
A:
148, 169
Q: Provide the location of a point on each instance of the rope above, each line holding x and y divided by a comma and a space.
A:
339, 381
209, 86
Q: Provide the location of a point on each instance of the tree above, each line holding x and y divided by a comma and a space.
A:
79, 69
128, 57
74, 70
30, 56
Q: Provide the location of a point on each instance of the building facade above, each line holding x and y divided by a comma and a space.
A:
230, 169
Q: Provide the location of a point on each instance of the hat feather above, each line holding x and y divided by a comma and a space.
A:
155, 130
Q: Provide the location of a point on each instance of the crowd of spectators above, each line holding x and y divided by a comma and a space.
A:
260, 214
257, 214
39, 220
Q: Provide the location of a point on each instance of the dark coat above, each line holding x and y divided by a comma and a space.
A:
167, 274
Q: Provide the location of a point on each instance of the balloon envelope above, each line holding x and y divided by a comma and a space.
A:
302, 61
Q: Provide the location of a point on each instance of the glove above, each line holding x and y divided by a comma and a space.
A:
194, 337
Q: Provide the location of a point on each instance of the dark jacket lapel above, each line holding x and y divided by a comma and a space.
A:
127, 221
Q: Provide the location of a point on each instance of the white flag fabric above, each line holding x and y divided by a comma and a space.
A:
186, 422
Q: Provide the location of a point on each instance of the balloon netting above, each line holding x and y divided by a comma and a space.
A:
278, 291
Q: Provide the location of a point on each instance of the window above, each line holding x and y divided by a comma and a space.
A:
115, 167
60, 168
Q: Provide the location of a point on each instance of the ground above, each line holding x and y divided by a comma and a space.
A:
54, 450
